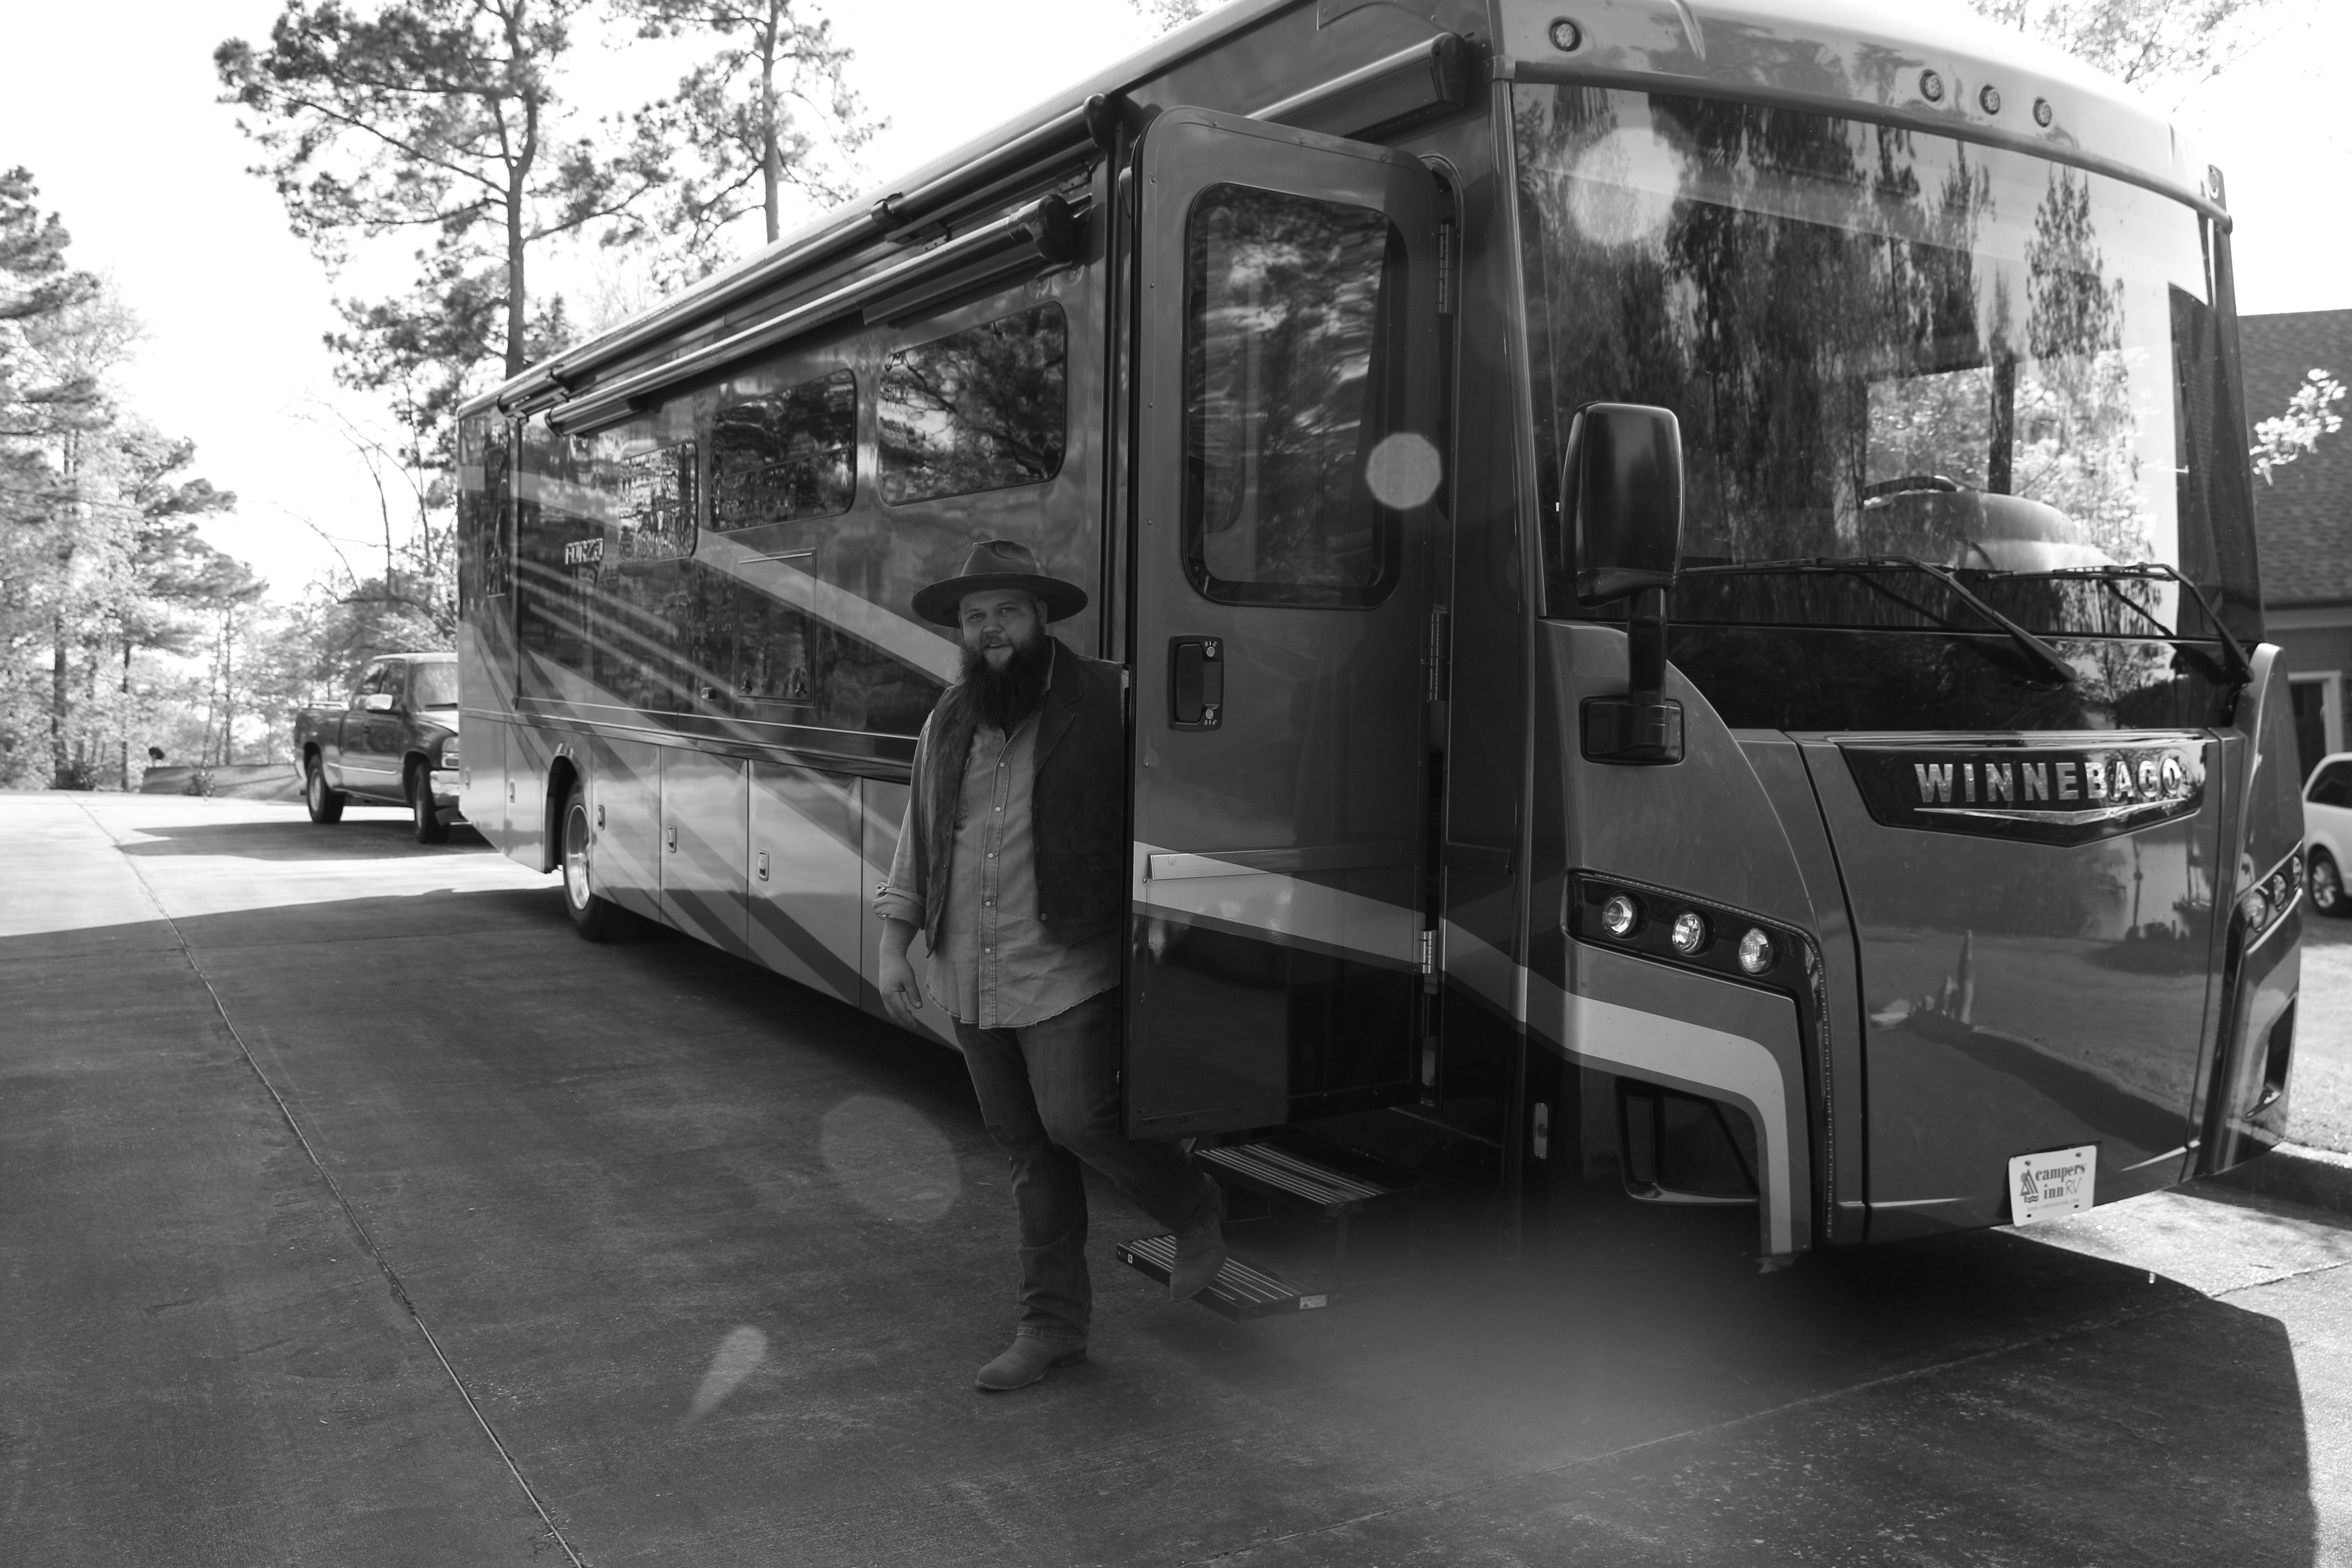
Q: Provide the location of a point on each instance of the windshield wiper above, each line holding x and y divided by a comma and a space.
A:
2239, 668
2052, 663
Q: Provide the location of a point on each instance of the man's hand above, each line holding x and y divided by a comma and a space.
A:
902, 994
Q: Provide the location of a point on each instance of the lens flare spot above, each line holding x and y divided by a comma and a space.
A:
1404, 470
1625, 188
739, 1356
889, 1160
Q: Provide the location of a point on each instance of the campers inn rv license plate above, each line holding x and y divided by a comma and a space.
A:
2056, 1181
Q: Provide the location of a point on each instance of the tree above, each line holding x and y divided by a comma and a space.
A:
733, 117
437, 118
2310, 414
1167, 15
2144, 42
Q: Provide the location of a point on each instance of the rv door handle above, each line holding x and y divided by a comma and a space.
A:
1196, 682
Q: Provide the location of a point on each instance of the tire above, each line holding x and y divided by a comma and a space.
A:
2327, 883
324, 805
426, 823
593, 916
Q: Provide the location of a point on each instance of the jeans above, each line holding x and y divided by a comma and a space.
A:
1049, 1094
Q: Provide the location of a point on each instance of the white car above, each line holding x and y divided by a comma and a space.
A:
2328, 831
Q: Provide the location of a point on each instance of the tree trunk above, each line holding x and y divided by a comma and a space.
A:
61, 698
122, 733
772, 158
521, 86
229, 688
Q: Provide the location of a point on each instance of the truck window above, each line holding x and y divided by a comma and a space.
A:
788, 456
977, 410
1284, 398
434, 686
370, 680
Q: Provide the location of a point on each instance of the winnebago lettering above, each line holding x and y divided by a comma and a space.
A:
1684, 581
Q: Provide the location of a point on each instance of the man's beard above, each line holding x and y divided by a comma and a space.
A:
1006, 697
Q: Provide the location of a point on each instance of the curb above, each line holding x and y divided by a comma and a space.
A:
2320, 1178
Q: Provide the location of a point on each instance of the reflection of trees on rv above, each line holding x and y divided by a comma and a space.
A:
976, 410
1282, 301
1832, 309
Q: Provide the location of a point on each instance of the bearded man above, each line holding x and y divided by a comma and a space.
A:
1013, 864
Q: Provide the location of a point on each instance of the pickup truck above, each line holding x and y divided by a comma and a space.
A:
394, 743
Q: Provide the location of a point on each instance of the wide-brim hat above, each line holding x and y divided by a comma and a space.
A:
997, 564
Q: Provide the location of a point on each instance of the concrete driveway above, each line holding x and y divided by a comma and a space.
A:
353, 1211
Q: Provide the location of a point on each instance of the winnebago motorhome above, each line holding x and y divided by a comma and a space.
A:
1685, 571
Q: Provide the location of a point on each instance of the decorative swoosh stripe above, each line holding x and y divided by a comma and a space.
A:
909, 641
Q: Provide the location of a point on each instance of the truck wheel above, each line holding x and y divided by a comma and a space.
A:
325, 805
430, 828
2326, 884
595, 916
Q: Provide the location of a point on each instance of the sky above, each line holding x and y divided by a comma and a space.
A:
112, 108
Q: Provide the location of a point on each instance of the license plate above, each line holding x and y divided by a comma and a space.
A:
2056, 1181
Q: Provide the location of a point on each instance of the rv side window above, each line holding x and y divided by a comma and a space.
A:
790, 454
977, 410
1287, 393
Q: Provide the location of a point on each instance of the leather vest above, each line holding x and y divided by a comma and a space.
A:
1078, 801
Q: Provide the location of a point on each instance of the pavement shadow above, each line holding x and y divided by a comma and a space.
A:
299, 838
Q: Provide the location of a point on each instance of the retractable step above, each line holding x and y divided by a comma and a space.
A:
1303, 1230
1298, 1182
1240, 1292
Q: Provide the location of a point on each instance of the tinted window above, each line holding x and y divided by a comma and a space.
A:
1879, 342
793, 453
434, 686
1285, 397
655, 510
978, 409
791, 667
2334, 786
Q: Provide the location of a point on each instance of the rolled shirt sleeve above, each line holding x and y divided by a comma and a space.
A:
901, 896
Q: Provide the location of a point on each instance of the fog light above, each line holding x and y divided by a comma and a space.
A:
1620, 916
1756, 953
2255, 909
1690, 932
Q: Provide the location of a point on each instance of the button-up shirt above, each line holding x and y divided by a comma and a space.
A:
997, 965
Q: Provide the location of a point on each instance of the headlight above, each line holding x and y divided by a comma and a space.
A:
2256, 909
1621, 914
448, 762
1690, 932
1756, 953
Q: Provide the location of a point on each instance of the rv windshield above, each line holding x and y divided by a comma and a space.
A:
1883, 344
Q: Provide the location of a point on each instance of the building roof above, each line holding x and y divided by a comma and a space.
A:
2303, 518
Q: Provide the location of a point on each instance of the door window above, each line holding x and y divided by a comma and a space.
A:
1286, 395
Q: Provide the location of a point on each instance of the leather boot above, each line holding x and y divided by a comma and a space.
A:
1026, 1361
1201, 1251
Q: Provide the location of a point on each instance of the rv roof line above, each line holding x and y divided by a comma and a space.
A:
1062, 127
1045, 231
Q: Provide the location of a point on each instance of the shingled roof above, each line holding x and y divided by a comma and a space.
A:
2303, 518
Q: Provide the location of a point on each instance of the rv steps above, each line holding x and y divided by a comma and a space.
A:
1240, 1292
1336, 1229
1287, 1178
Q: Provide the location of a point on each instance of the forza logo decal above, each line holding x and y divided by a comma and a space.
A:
2052, 794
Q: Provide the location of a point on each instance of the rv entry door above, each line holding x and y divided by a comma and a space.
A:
1286, 470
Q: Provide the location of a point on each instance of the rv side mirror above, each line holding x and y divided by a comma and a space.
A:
1620, 491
